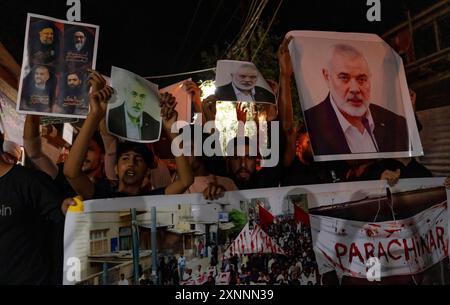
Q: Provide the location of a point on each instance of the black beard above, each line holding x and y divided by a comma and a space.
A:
245, 185
73, 91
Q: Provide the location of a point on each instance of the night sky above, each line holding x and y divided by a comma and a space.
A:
151, 37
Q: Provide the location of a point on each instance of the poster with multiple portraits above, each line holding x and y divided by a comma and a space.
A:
56, 59
133, 112
354, 96
307, 235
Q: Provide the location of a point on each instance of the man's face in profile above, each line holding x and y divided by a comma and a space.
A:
41, 76
93, 158
348, 78
245, 78
46, 36
79, 40
73, 81
136, 99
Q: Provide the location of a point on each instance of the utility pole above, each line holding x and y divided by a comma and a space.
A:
135, 235
154, 247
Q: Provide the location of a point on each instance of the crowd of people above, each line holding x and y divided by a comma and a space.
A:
102, 166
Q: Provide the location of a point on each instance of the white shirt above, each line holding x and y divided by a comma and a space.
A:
242, 97
357, 142
133, 131
124, 282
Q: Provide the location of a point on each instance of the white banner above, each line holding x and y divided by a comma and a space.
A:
403, 247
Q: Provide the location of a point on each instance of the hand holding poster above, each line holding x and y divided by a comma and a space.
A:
354, 96
57, 56
133, 111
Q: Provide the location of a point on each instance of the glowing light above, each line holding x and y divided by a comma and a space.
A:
208, 88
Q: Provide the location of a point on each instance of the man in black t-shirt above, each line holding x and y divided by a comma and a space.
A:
29, 202
133, 159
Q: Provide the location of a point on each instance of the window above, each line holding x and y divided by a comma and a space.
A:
99, 242
125, 238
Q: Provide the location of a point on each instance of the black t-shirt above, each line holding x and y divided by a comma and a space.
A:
62, 182
29, 202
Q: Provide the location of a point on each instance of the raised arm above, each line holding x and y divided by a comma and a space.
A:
195, 93
110, 143
98, 99
285, 111
184, 171
33, 146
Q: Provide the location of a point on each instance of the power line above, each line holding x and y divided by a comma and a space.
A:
187, 34
268, 28
179, 74
227, 25
244, 29
254, 24
211, 21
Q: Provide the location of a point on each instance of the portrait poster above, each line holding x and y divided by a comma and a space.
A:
56, 58
133, 112
354, 96
241, 81
11, 122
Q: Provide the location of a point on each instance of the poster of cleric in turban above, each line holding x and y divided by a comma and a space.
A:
56, 59
354, 96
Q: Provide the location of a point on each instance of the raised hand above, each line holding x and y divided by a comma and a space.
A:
284, 59
96, 80
192, 89
169, 115
214, 190
241, 111
391, 177
100, 94
209, 108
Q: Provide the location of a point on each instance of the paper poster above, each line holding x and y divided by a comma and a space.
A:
54, 77
133, 112
11, 123
354, 96
240, 81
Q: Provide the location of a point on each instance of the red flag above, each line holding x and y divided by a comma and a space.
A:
265, 217
301, 216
